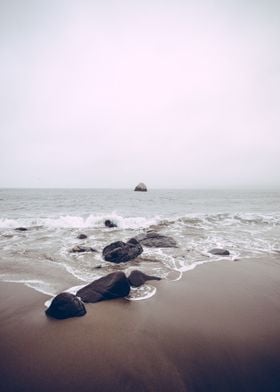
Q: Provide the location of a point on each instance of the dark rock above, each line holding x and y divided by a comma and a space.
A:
82, 236
121, 252
137, 278
81, 249
156, 240
66, 305
109, 223
114, 285
219, 252
141, 187
21, 229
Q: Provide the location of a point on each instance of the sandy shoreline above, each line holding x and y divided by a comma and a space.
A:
218, 329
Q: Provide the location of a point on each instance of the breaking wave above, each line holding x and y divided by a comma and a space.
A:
97, 221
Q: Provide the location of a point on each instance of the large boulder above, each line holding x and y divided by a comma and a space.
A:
219, 252
114, 285
137, 278
82, 249
121, 252
109, 223
66, 305
155, 240
141, 187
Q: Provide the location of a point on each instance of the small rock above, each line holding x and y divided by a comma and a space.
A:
109, 223
156, 240
141, 187
219, 252
121, 252
81, 249
66, 305
137, 278
82, 236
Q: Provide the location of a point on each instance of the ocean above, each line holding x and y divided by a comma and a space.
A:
245, 222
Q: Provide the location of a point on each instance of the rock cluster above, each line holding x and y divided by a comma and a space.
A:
114, 285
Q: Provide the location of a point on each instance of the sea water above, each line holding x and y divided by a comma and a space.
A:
245, 222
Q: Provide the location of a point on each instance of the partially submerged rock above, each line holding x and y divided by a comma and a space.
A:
137, 278
81, 249
66, 305
121, 252
82, 236
219, 252
114, 285
155, 240
109, 223
21, 229
141, 187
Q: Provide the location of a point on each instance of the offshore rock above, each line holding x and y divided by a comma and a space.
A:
156, 240
141, 187
121, 252
137, 278
114, 285
219, 252
66, 305
81, 249
109, 223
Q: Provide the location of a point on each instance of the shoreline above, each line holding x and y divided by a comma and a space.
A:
216, 329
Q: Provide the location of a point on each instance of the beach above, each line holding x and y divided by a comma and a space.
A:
217, 329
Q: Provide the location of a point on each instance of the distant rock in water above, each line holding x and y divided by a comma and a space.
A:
219, 252
114, 285
109, 223
121, 252
81, 249
21, 229
82, 236
141, 187
156, 240
137, 278
66, 305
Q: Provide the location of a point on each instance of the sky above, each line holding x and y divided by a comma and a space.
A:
177, 94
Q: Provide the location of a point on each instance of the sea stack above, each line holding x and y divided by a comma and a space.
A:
141, 187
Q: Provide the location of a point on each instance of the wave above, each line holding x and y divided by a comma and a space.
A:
230, 219
140, 222
79, 222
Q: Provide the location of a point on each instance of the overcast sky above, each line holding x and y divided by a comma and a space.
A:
173, 93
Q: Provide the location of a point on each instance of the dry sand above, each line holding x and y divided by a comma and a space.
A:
218, 329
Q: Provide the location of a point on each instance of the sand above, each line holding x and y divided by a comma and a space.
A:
217, 329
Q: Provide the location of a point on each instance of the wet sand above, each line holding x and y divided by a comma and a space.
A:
218, 329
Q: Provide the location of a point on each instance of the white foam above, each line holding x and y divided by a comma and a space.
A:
38, 285
143, 292
8, 223
80, 222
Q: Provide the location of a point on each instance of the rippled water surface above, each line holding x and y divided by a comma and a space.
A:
247, 223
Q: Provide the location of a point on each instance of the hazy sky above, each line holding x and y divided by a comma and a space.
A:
110, 93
